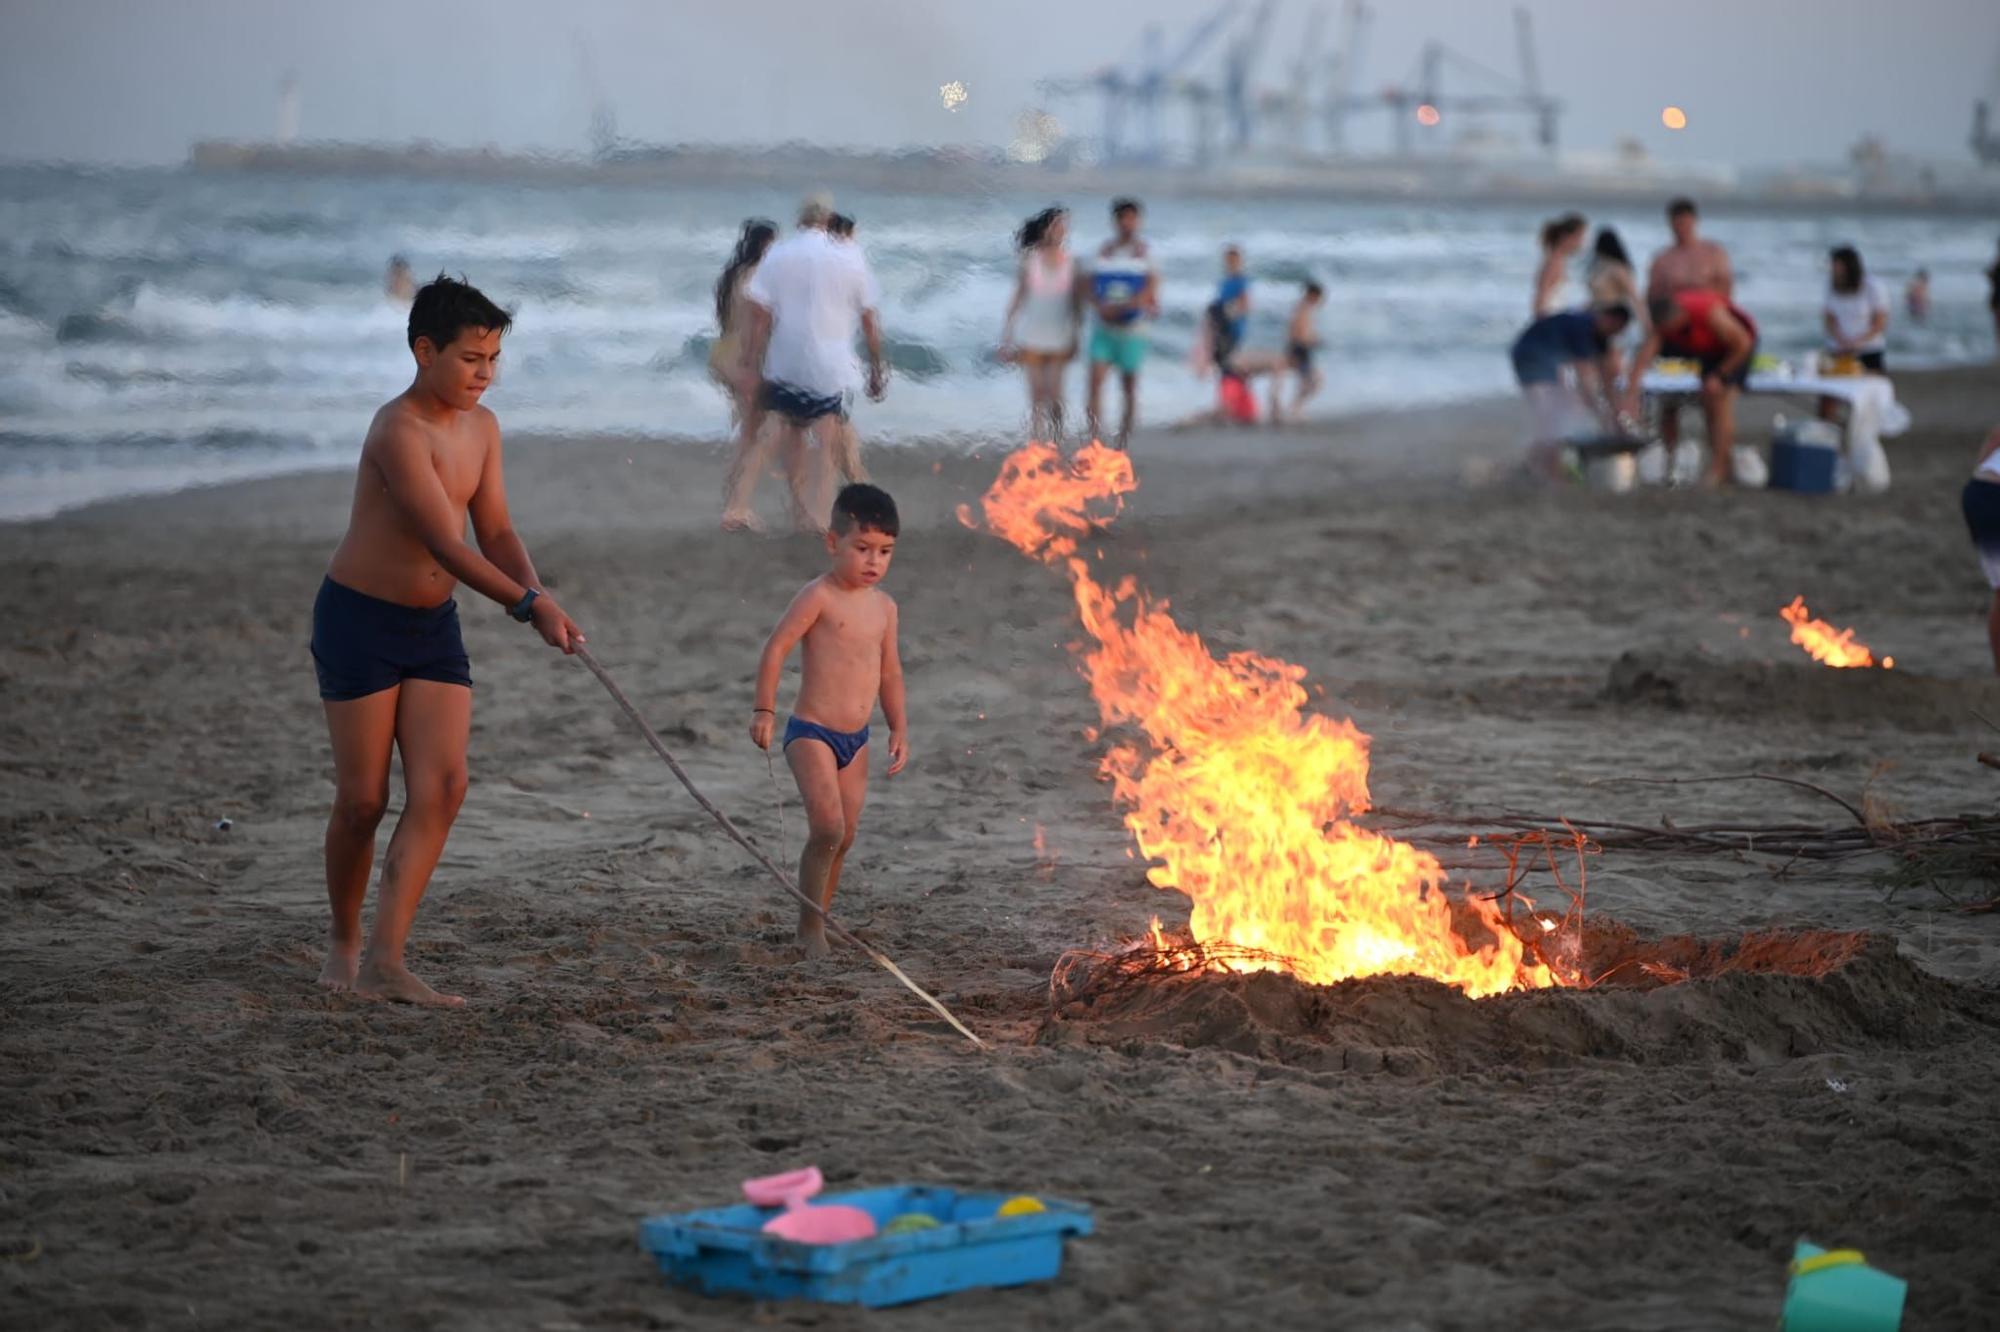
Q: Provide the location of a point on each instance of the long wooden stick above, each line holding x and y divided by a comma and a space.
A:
784, 880
1814, 787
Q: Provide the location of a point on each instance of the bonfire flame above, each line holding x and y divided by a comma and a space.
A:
1824, 642
1241, 797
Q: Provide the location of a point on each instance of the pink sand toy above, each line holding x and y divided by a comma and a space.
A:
831, 1223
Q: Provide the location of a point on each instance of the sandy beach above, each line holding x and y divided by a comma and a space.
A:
194, 1135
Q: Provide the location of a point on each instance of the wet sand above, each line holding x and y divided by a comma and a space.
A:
195, 1135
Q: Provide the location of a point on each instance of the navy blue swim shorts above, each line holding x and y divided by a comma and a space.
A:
800, 406
362, 645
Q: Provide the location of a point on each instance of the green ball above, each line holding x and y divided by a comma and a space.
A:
909, 1223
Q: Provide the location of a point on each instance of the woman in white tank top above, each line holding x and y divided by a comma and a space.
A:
1043, 318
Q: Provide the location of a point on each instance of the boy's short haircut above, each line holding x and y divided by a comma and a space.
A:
1682, 205
445, 307
1124, 204
1663, 310
1617, 310
868, 508
1314, 289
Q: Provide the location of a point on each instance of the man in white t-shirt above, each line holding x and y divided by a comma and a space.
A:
808, 298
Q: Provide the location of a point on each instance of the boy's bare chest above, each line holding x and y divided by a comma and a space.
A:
848, 630
458, 462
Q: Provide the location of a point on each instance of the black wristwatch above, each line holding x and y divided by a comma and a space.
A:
524, 609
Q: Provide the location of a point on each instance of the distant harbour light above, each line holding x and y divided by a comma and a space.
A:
1428, 114
952, 95
1674, 118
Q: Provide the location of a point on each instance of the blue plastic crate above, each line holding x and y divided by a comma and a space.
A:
723, 1250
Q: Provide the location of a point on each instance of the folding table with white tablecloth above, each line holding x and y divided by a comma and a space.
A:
1873, 414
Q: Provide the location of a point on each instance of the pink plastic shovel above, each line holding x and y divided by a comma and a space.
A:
829, 1223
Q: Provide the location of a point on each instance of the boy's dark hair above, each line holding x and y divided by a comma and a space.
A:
1314, 289
869, 508
1663, 309
1682, 206
1125, 204
446, 306
840, 224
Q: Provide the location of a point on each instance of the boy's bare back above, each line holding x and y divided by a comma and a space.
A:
845, 635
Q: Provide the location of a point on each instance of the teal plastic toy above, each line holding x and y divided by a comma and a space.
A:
1837, 1291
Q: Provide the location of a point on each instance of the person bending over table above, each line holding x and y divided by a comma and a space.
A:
1703, 326
1580, 342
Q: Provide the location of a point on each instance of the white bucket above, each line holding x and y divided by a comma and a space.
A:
1613, 474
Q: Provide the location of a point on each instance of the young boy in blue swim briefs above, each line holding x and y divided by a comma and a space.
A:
393, 675
848, 626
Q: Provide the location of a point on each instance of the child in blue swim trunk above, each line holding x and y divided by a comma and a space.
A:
848, 626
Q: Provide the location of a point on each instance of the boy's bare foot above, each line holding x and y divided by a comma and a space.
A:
342, 960
812, 939
393, 981
742, 521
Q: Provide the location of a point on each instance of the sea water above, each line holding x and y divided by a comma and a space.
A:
164, 328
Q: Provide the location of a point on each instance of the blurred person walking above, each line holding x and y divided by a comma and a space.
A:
725, 366
1044, 318
807, 299
1124, 293
846, 457
732, 315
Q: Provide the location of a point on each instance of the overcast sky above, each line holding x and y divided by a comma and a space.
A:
136, 80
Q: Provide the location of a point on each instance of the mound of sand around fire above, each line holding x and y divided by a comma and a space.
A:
1756, 999
1802, 689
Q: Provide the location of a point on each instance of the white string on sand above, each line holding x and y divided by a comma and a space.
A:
833, 926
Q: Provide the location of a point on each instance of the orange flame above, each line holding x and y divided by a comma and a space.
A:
1045, 860
1242, 798
1834, 647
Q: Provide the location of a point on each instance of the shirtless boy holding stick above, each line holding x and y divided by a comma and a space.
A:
392, 667
848, 626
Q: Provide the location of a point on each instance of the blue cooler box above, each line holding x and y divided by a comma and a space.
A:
1807, 469
723, 1250
1805, 457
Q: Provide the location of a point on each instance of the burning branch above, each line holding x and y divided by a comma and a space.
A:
1242, 799
1824, 642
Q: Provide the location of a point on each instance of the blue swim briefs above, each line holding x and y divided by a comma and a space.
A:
844, 744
